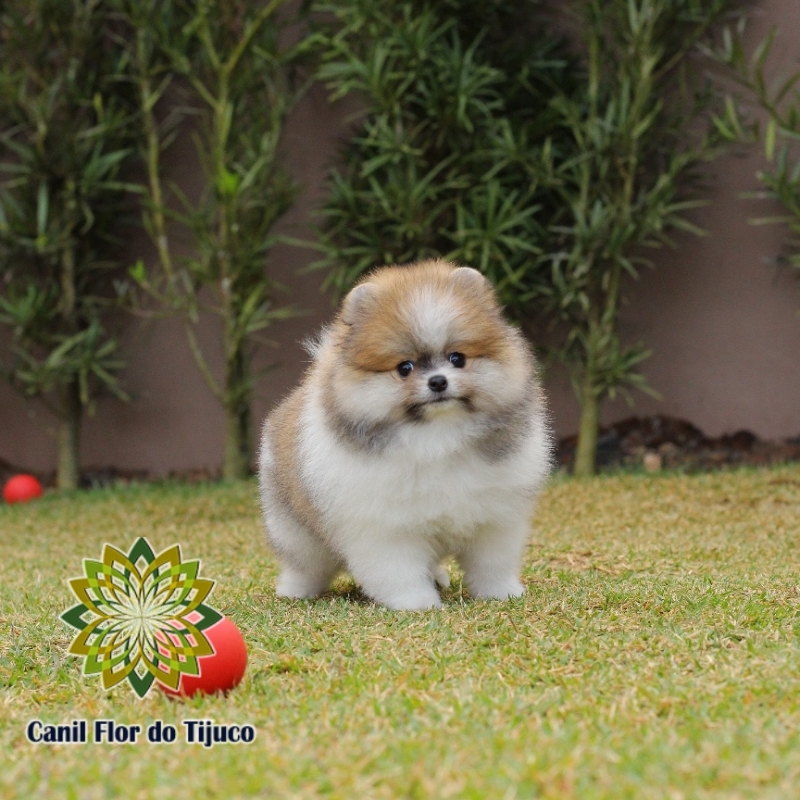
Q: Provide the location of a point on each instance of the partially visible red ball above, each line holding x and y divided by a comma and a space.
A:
21, 489
221, 671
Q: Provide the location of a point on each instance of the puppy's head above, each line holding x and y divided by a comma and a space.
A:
424, 342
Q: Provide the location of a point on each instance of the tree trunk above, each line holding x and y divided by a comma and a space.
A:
236, 464
70, 407
586, 454
237, 446
69, 430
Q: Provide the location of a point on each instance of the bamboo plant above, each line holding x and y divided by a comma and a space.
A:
65, 136
233, 72
779, 134
643, 130
488, 141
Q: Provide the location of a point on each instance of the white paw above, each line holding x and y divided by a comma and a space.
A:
416, 601
497, 590
441, 576
299, 586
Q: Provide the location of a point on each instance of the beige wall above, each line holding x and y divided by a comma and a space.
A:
722, 323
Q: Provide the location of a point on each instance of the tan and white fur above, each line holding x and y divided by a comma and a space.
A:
383, 470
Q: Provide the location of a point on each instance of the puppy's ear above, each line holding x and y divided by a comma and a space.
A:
473, 284
357, 301
469, 277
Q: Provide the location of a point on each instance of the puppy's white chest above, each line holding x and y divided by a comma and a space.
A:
445, 493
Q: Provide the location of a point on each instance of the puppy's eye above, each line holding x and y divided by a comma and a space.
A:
457, 359
405, 368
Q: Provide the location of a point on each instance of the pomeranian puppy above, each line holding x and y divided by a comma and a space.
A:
419, 432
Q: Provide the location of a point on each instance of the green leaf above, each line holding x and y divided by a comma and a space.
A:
42, 207
227, 183
139, 272
769, 138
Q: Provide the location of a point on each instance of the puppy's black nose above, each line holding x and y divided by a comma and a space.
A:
437, 383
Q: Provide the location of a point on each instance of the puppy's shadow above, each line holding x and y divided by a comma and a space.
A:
345, 588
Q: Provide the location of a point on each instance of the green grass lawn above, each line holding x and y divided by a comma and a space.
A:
654, 655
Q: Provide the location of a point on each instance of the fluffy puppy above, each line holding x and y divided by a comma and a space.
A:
419, 432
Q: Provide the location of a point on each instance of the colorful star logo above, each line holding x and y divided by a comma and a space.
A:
141, 617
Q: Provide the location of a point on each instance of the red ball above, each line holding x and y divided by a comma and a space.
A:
21, 489
221, 671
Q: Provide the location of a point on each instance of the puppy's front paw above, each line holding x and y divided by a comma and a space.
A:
299, 586
412, 601
496, 589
